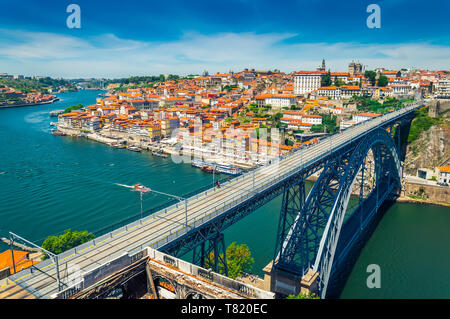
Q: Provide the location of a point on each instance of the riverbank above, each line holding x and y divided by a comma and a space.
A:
29, 104
105, 137
406, 199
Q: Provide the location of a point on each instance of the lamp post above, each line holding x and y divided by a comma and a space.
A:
141, 189
147, 190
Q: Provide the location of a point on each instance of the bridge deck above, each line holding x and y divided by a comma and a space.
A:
168, 225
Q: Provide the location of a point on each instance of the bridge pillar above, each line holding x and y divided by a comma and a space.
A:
284, 283
212, 254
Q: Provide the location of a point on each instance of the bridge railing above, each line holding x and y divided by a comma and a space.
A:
261, 186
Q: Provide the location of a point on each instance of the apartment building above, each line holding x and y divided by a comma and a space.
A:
443, 88
307, 81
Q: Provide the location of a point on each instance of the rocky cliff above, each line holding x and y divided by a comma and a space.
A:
431, 149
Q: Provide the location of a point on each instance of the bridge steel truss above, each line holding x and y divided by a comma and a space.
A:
309, 233
210, 232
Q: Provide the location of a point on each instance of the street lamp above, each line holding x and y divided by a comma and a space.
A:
143, 189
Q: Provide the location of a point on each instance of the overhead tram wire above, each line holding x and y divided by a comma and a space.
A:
130, 218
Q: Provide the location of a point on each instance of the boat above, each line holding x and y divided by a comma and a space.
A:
210, 169
117, 145
140, 188
53, 124
227, 169
198, 163
160, 154
134, 148
58, 133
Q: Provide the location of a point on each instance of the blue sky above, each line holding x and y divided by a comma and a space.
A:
122, 38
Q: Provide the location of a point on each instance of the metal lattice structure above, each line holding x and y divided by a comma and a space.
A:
212, 254
315, 231
313, 240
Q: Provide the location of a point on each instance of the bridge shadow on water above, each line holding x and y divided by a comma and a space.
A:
342, 272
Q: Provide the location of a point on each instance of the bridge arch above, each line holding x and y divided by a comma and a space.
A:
166, 283
192, 294
314, 236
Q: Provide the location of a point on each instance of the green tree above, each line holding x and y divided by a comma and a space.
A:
317, 128
326, 80
73, 107
338, 82
383, 80
421, 123
371, 76
303, 296
288, 142
66, 241
239, 260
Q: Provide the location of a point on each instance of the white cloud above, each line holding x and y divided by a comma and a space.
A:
106, 55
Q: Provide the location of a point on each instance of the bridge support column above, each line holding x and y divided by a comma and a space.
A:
285, 283
212, 254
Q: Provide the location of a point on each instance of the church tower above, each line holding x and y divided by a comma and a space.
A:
322, 67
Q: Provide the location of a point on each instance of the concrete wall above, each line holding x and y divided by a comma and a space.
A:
83, 281
197, 271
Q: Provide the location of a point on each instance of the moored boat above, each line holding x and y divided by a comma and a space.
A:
227, 169
160, 154
134, 148
117, 145
58, 133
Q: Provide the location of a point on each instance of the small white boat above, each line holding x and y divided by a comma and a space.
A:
134, 148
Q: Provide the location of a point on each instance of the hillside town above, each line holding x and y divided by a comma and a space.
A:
249, 117
11, 97
18, 90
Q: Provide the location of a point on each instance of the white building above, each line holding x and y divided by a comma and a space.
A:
297, 115
401, 89
307, 81
361, 117
342, 92
276, 100
333, 92
443, 174
343, 76
443, 88
312, 119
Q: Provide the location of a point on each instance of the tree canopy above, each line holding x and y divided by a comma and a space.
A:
66, 241
73, 107
303, 296
383, 81
371, 76
239, 260
326, 80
